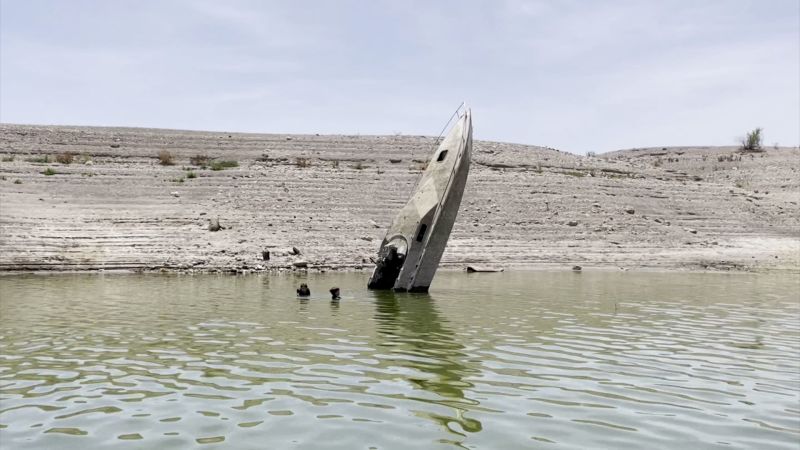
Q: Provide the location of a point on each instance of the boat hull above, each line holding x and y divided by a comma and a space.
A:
415, 241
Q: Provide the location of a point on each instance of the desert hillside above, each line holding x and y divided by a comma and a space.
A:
115, 206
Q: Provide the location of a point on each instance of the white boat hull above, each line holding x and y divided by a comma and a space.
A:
415, 241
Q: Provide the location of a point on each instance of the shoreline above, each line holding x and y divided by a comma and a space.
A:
366, 272
331, 198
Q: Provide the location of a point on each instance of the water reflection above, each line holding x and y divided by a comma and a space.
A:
413, 328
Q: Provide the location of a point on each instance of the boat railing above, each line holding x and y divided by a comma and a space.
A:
456, 114
444, 128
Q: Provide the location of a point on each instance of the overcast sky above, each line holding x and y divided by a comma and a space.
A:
575, 75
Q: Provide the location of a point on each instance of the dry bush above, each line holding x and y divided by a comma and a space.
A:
742, 182
302, 162
165, 158
199, 160
65, 158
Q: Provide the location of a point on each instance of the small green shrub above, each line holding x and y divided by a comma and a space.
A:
165, 158
8, 158
191, 174
359, 166
49, 172
39, 159
575, 173
17, 181
752, 142
222, 165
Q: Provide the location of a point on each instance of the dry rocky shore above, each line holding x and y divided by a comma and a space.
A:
325, 201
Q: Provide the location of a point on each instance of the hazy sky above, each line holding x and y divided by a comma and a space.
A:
575, 75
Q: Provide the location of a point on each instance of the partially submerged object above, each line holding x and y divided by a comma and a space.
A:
303, 290
414, 243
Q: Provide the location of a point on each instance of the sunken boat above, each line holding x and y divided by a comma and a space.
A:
410, 253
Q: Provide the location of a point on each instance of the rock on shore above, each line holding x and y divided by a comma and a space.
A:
115, 206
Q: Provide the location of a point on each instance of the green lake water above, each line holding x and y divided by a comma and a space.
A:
509, 360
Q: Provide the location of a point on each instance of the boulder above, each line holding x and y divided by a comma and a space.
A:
213, 224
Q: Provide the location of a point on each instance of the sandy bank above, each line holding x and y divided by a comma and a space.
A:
116, 208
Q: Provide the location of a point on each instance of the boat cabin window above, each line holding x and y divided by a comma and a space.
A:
421, 232
442, 155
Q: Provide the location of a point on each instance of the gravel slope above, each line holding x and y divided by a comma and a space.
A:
116, 208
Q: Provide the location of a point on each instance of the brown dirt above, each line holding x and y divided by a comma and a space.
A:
115, 207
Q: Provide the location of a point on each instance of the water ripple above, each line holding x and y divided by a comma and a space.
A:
503, 360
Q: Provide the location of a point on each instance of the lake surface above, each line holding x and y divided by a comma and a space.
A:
511, 360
